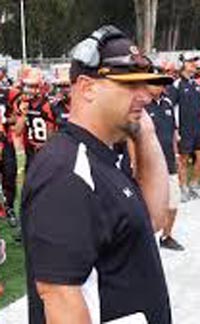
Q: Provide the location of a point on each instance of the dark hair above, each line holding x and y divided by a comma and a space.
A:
77, 68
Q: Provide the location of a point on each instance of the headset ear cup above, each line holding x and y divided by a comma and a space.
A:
106, 32
87, 52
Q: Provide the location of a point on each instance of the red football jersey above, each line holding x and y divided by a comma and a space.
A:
40, 123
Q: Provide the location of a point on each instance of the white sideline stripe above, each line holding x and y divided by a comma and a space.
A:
15, 313
90, 292
137, 318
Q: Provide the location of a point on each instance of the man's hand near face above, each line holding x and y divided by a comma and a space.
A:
150, 170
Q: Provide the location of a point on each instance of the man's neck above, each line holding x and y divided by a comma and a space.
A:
187, 75
94, 128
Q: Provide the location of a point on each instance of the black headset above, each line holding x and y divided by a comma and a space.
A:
87, 51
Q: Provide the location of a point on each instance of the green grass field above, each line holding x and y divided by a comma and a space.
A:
12, 273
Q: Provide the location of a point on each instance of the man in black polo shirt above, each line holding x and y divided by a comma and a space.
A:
89, 241
185, 96
162, 114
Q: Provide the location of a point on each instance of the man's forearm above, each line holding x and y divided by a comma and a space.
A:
63, 304
152, 174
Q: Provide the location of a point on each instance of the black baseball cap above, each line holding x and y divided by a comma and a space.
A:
120, 60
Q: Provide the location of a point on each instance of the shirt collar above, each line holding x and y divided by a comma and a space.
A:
99, 148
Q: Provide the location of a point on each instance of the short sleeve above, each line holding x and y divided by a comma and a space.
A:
62, 230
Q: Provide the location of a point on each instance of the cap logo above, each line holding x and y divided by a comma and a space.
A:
134, 50
140, 60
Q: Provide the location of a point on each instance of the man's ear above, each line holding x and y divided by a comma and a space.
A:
86, 87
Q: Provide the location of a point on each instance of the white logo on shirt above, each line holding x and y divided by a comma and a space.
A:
168, 112
127, 191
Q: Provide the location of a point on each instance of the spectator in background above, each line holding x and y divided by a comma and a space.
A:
60, 100
5, 81
8, 163
35, 118
169, 68
185, 97
162, 114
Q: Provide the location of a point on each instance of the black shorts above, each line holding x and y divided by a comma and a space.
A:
189, 143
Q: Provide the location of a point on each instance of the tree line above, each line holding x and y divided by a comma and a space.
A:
54, 26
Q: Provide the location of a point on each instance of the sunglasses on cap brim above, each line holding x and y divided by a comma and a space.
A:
131, 62
129, 69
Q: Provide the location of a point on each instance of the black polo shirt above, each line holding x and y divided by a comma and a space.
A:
185, 93
80, 212
162, 114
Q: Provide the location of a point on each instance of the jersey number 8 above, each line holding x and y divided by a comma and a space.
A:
37, 129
